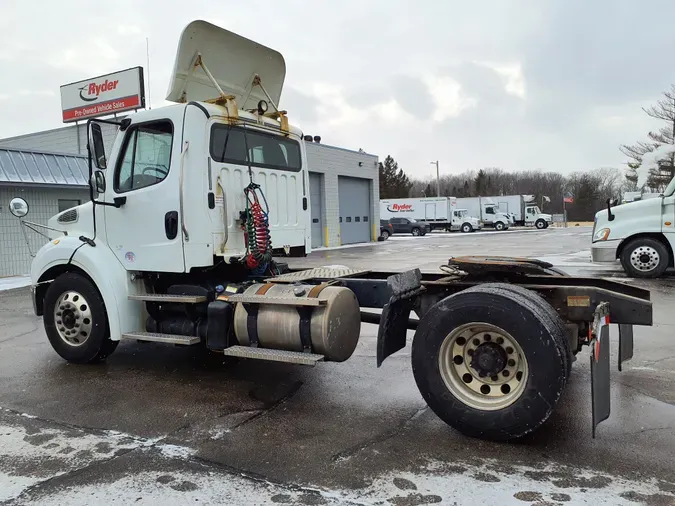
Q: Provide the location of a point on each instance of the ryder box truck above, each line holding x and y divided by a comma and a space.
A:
439, 212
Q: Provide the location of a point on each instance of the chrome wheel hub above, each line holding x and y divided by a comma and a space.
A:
644, 258
483, 366
72, 318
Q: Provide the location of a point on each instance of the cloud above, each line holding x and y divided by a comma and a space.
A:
517, 84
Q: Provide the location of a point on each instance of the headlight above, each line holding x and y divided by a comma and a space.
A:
601, 235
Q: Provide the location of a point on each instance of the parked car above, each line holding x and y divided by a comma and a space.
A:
410, 226
386, 230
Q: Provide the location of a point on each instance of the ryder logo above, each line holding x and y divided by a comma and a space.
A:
94, 90
399, 208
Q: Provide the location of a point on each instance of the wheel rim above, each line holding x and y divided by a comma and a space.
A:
645, 258
483, 366
467, 228
540, 224
72, 318
416, 232
499, 226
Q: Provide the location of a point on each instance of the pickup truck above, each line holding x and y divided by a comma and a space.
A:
410, 226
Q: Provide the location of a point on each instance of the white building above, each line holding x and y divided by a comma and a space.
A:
49, 170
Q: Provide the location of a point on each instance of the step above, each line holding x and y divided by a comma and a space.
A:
291, 357
167, 297
162, 338
282, 301
318, 273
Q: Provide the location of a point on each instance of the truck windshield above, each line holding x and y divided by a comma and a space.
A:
230, 145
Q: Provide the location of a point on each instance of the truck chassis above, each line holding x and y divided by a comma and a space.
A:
494, 343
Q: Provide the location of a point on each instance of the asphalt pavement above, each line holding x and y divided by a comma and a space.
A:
159, 424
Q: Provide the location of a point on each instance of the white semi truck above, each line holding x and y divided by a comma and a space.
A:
487, 211
640, 234
193, 210
438, 212
523, 209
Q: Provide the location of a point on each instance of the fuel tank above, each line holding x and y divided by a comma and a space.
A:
334, 326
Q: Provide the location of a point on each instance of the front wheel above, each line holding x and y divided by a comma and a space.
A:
645, 257
488, 364
75, 320
384, 235
416, 232
540, 224
499, 226
466, 228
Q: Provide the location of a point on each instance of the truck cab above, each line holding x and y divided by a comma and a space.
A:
207, 189
534, 217
493, 217
462, 221
640, 234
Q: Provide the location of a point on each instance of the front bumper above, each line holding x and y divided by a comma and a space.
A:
604, 251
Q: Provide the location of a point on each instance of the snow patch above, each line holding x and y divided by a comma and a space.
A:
175, 451
14, 282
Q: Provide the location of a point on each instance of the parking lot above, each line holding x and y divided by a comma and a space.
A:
159, 424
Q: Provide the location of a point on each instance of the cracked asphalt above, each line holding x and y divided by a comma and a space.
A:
170, 425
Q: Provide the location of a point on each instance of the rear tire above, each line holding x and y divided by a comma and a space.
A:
466, 228
480, 410
384, 235
645, 257
560, 337
76, 321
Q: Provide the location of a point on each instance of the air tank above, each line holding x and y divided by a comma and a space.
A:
335, 325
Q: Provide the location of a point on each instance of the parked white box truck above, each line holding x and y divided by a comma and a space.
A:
523, 209
439, 212
487, 211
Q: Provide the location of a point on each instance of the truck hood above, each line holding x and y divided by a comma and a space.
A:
76, 221
639, 206
232, 60
642, 216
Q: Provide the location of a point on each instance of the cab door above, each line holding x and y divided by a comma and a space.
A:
529, 214
145, 231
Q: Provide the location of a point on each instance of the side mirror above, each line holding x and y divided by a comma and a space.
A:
98, 181
96, 146
18, 207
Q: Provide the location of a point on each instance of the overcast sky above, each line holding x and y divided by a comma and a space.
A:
519, 84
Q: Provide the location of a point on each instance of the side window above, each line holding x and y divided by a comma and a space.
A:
490, 210
147, 156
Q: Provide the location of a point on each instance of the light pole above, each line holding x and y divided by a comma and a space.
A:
438, 179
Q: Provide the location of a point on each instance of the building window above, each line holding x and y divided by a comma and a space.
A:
65, 204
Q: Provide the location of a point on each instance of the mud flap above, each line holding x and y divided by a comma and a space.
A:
625, 343
391, 335
600, 386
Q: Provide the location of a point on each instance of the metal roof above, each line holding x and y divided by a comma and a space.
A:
36, 168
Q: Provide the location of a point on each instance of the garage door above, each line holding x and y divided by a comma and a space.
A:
355, 221
316, 202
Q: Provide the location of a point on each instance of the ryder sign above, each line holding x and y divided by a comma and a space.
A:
103, 95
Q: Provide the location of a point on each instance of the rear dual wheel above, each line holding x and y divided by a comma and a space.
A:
490, 362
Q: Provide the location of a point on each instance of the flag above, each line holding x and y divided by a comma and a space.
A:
568, 200
546, 199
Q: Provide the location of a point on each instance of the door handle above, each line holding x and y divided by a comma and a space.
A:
171, 224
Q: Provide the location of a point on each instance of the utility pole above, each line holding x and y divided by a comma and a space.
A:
438, 179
